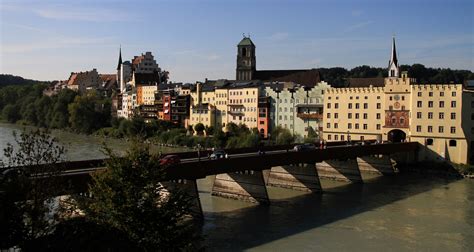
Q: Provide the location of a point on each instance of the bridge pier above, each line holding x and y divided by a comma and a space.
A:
378, 164
341, 170
301, 177
248, 185
190, 188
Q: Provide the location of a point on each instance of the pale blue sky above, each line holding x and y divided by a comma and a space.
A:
194, 40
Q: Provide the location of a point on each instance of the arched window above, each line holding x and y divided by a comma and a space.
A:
452, 143
394, 120
429, 141
402, 121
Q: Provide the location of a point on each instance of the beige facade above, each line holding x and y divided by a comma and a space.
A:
146, 94
438, 116
202, 113
242, 107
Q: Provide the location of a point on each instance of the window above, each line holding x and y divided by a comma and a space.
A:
342, 137
362, 137
357, 116
378, 115
453, 94
419, 94
441, 93
329, 137
391, 98
430, 94
349, 125
440, 129
356, 126
357, 105
453, 130
453, 104
366, 106
430, 115
430, 129
430, 104
378, 126
418, 128
365, 126
336, 125
350, 105
418, 115
419, 104
453, 116
336, 137
328, 115
350, 116
379, 105
402, 120
441, 104
336, 115
336, 105
365, 115
452, 143
429, 141
328, 125
441, 115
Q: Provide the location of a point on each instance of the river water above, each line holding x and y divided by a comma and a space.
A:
406, 212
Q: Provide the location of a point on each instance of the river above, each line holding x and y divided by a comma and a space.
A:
406, 212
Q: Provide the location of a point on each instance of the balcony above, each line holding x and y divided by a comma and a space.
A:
310, 116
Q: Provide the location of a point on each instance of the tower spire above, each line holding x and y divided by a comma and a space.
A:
120, 58
393, 70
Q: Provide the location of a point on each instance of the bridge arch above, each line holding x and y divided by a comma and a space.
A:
397, 136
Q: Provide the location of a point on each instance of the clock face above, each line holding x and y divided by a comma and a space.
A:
397, 105
397, 97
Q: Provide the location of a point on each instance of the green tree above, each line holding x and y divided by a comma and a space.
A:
199, 128
10, 113
129, 197
24, 221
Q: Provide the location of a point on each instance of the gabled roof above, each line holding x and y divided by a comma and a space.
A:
366, 82
304, 77
246, 42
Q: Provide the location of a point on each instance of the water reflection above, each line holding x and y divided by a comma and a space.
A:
401, 212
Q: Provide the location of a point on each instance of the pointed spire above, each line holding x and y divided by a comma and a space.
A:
120, 58
393, 70
393, 58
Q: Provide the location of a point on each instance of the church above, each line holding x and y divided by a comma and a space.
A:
247, 68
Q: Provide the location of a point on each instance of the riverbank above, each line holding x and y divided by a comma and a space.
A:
444, 169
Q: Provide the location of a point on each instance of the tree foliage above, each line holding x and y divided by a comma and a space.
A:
129, 197
24, 221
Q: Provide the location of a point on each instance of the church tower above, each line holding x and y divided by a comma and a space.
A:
393, 70
246, 63
119, 68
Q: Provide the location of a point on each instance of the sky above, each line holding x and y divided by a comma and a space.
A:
194, 40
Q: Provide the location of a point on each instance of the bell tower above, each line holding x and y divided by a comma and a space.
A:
246, 63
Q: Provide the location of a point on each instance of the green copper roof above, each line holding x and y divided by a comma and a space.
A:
246, 42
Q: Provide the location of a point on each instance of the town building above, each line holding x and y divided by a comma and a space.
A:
295, 107
438, 116
82, 81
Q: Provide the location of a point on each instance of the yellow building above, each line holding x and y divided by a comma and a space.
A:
438, 116
242, 106
202, 113
146, 94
